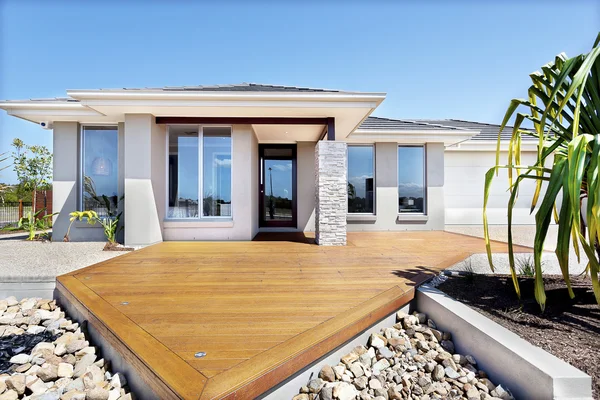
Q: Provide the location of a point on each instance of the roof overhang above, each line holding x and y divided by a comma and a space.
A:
111, 106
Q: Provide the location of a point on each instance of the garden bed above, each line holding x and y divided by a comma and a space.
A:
568, 329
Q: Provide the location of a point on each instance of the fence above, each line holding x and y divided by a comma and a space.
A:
10, 212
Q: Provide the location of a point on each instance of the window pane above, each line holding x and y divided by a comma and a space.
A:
360, 179
183, 172
100, 169
411, 179
216, 167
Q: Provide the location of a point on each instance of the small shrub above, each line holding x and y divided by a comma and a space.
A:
526, 266
469, 270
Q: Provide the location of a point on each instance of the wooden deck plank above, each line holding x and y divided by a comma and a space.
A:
260, 310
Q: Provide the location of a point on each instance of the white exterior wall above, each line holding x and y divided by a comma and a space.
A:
465, 177
386, 193
244, 197
306, 186
142, 143
66, 189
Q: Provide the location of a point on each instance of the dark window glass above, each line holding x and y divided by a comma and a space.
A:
100, 169
411, 179
360, 179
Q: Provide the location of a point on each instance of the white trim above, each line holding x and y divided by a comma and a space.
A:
201, 217
167, 95
197, 223
425, 196
81, 161
372, 146
490, 145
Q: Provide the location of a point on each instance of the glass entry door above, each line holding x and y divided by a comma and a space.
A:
277, 190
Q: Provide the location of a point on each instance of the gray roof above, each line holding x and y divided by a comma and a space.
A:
486, 131
482, 131
379, 123
239, 87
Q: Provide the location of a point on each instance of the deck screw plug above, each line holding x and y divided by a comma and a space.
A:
124, 303
200, 354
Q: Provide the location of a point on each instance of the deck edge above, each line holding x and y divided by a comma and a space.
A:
189, 382
329, 335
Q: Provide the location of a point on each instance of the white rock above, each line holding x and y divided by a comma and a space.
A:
37, 386
345, 391
11, 301
114, 394
28, 304
35, 329
118, 380
65, 370
20, 359
60, 349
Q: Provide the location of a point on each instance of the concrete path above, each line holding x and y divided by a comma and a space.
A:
522, 235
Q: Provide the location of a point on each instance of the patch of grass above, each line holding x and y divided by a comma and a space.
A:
469, 270
526, 266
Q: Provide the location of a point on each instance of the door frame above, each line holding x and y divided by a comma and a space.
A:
262, 222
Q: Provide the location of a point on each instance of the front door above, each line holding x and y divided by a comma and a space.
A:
277, 185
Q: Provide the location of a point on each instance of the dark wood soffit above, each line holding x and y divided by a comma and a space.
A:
243, 120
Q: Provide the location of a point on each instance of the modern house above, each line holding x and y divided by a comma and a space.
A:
227, 162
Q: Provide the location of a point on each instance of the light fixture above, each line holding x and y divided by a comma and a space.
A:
200, 354
101, 166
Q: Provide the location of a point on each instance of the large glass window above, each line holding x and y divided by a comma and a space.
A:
411, 179
360, 179
183, 172
199, 168
100, 169
216, 167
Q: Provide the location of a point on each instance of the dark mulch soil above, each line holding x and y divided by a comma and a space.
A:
569, 329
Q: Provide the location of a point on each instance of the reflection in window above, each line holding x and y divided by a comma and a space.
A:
411, 179
100, 169
183, 172
360, 179
216, 167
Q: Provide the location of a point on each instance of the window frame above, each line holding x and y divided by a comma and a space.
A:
82, 161
372, 145
425, 196
200, 217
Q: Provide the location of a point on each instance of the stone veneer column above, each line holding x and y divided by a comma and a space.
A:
331, 202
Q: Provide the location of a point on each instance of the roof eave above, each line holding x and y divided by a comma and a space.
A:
206, 95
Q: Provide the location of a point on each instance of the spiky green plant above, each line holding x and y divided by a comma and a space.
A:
563, 106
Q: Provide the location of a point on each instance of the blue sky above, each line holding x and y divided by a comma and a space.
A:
435, 60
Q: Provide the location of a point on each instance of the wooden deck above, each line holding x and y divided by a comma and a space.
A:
260, 310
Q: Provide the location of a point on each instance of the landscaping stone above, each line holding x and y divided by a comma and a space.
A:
45, 356
411, 360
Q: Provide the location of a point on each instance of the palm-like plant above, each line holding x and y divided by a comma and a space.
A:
564, 107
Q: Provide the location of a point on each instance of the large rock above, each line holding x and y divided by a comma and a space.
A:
97, 393
65, 370
20, 359
9, 395
83, 363
48, 373
344, 391
16, 383
327, 373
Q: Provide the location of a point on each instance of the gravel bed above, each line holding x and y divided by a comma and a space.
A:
45, 356
411, 360
29, 261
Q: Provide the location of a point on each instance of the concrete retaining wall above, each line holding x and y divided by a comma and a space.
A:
528, 371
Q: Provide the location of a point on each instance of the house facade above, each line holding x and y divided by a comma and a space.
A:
227, 162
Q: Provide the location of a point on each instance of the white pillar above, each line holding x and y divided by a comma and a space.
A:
64, 176
144, 160
331, 183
